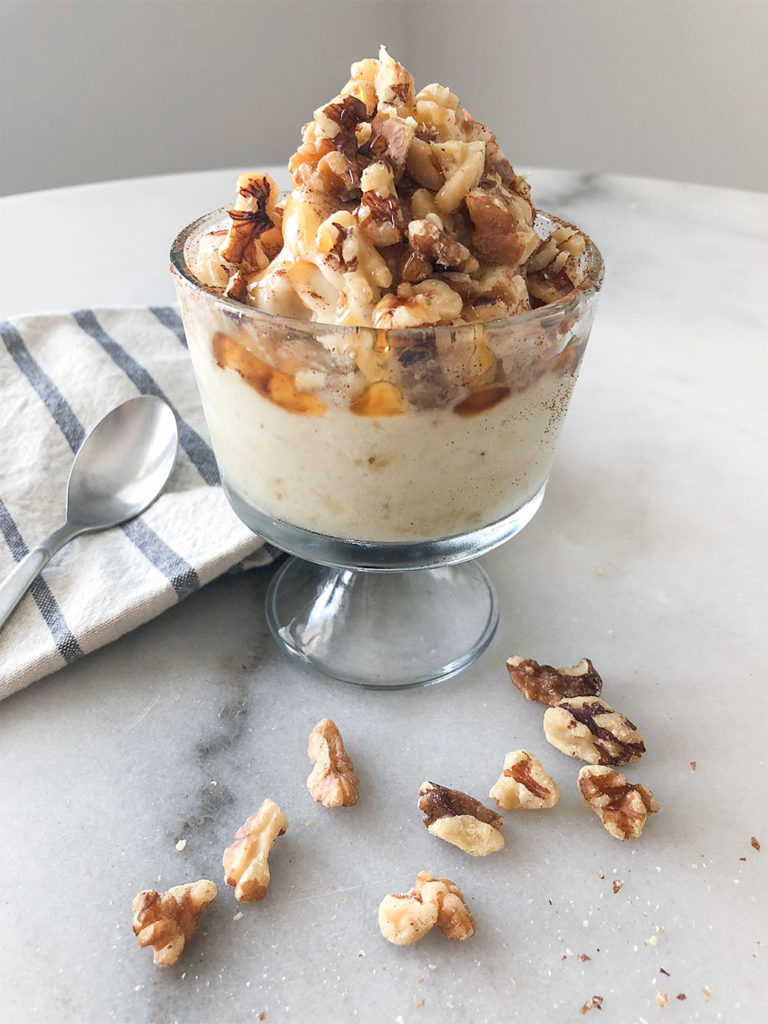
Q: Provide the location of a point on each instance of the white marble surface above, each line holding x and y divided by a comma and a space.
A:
648, 556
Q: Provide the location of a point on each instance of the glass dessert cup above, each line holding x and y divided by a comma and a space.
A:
384, 461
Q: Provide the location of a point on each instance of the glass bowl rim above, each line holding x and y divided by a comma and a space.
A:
545, 315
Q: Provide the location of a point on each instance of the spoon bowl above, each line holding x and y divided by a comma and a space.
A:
123, 464
119, 470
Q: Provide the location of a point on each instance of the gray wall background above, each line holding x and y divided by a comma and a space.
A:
100, 89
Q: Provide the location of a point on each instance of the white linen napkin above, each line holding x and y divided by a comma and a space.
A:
59, 374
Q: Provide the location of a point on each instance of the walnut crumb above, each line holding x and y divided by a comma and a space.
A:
661, 999
593, 1003
617, 885
754, 842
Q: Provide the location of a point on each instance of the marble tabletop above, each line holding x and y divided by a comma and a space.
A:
648, 556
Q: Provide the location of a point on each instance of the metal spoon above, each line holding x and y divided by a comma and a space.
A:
120, 468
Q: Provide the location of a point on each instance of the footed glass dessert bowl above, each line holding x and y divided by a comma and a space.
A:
385, 461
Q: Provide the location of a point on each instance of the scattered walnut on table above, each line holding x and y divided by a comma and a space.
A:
245, 862
593, 1003
621, 806
524, 785
166, 921
332, 781
548, 685
586, 727
461, 820
404, 918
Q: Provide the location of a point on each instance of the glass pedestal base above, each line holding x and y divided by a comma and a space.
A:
386, 630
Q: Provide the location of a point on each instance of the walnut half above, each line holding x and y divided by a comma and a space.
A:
404, 918
461, 820
246, 860
167, 920
524, 785
621, 806
332, 781
586, 727
549, 685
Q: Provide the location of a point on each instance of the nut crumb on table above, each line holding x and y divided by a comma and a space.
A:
593, 1003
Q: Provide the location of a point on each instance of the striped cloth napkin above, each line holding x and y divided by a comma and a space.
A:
59, 375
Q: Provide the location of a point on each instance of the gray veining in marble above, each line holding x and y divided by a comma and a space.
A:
648, 556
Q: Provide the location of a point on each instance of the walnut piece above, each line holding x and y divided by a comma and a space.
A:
404, 918
245, 862
524, 785
621, 806
461, 820
332, 781
548, 685
166, 921
586, 727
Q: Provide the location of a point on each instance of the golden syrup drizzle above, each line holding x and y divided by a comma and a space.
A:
380, 399
478, 401
274, 385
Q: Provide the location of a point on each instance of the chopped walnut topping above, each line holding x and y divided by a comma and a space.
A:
430, 240
424, 186
621, 806
549, 685
333, 781
587, 728
429, 302
461, 820
524, 785
246, 860
503, 232
404, 918
167, 921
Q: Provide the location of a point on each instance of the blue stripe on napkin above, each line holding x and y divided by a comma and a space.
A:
196, 448
179, 573
169, 318
66, 643
49, 394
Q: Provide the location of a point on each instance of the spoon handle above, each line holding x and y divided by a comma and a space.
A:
15, 586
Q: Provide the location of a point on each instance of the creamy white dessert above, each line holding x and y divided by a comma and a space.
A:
417, 388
